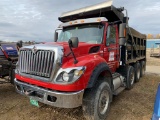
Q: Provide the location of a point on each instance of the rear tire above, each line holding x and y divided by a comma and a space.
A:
96, 101
137, 69
142, 72
130, 78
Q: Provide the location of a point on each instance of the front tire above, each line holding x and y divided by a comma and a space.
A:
96, 101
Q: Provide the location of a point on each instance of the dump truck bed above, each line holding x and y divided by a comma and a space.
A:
135, 47
137, 34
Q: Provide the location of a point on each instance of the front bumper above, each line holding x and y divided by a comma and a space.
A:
50, 97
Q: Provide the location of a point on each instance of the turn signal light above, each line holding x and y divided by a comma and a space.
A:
78, 72
124, 32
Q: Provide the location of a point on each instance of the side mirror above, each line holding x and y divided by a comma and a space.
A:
19, 44
122, 34
73, 42
55, 36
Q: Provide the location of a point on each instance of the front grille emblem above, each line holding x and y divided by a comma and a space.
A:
34, 50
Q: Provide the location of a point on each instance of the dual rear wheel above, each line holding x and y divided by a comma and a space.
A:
137, 68
130, 78
134, 73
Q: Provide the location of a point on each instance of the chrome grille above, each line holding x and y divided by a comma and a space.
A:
39, 63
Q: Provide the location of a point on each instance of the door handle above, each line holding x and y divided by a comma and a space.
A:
110, 49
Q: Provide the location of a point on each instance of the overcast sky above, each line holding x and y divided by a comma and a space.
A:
37, 19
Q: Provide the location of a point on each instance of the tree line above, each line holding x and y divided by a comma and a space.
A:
151, 36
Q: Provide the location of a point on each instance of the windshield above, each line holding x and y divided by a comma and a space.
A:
90, 33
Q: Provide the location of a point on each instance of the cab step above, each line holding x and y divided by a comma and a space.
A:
119, 90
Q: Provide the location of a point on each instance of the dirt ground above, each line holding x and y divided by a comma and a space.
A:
136, 104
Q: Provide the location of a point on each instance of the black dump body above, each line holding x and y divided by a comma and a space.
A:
8, 59
135, 47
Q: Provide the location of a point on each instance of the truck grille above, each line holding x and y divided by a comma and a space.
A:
39, 63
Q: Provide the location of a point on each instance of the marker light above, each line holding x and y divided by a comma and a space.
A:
70, 23
82, 21
99, 20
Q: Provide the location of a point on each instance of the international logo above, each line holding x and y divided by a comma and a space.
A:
34, 50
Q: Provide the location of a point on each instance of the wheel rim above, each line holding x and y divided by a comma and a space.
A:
132, 78
103, 102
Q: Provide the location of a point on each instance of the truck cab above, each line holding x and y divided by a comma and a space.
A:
95, 36
95, 56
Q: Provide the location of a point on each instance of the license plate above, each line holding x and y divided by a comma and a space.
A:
34, 102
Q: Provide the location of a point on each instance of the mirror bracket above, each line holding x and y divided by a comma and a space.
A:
73, 42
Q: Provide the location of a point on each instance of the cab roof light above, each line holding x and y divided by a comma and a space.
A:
99, 20
82, 21
70, 23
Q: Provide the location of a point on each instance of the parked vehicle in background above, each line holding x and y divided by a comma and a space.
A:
8, 60
155, 52
96, 55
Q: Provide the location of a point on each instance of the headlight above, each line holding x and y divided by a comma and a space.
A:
69, 75
65, 77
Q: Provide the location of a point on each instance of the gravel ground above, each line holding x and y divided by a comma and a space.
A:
136, 104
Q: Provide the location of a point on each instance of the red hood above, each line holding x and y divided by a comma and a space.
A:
83, 48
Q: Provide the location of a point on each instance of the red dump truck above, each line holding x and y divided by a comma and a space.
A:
95, 56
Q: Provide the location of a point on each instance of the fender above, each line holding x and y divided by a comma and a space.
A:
93, 63
96, 73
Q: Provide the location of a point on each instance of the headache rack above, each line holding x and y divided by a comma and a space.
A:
105, 9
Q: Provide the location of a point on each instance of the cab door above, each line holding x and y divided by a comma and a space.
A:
111, 47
